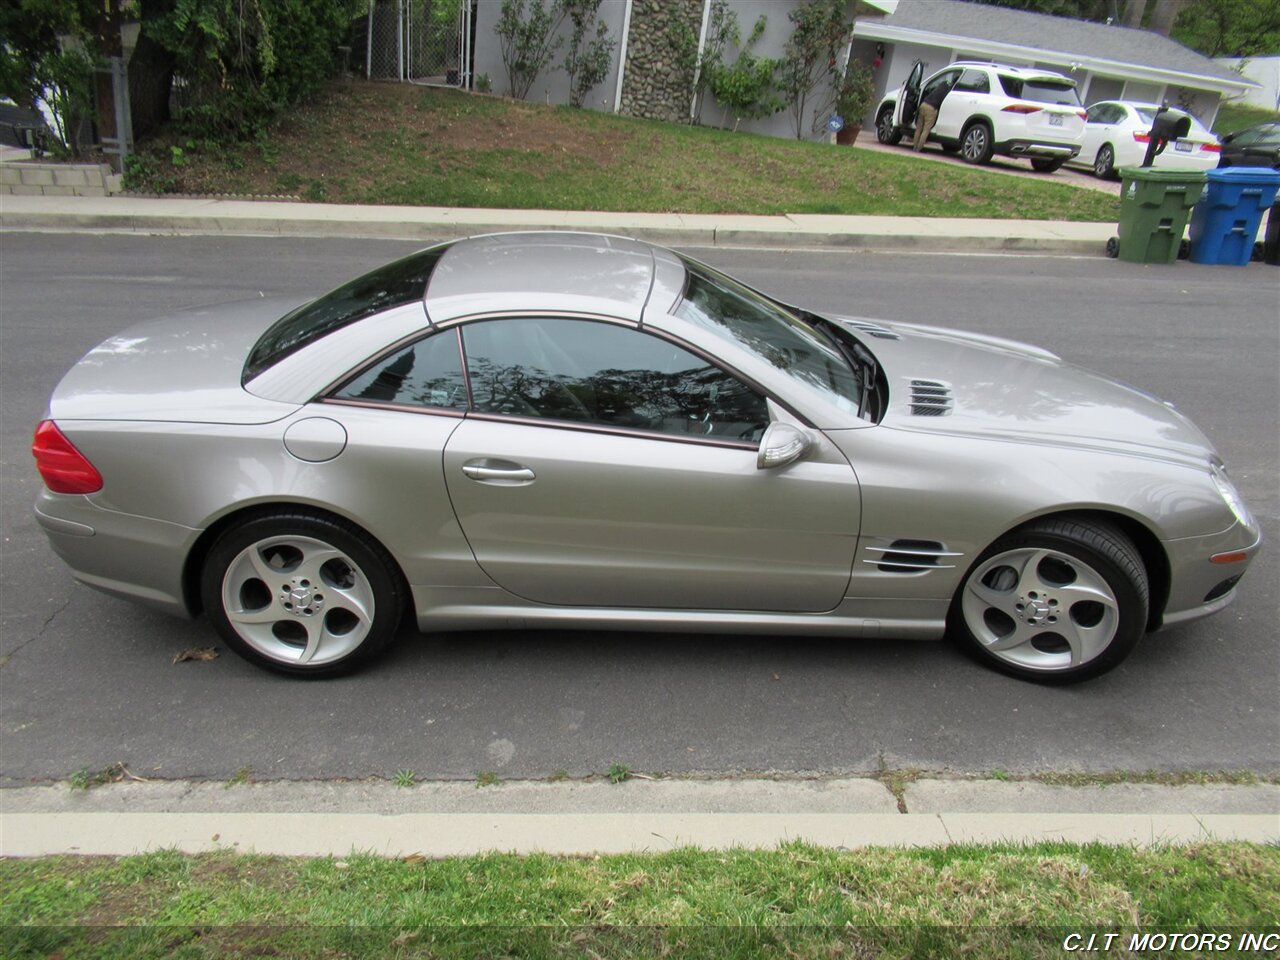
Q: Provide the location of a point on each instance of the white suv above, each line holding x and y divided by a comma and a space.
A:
992, 109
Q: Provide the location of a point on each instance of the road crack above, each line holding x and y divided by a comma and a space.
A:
44, 628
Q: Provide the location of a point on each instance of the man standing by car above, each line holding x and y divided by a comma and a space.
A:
930, 104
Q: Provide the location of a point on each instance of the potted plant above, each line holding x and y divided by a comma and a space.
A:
854, 93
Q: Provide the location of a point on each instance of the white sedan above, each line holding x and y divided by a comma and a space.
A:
1117, 134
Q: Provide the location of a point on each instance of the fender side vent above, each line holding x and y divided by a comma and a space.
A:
874, 329
930, 398
912, 556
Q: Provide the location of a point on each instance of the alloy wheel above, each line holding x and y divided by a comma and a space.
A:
1040, 609
298, 600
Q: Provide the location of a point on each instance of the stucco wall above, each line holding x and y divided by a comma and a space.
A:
552, 85
1265, 71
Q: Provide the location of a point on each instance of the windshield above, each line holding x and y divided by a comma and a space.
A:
740, 314
403, 281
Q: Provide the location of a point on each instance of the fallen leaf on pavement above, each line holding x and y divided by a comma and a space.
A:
197, 653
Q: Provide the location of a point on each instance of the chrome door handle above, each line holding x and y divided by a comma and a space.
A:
477, 472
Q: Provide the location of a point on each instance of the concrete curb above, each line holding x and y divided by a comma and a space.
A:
575, 818
277, 218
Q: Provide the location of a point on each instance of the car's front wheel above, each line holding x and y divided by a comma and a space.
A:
302, 593
1058, 601
1104, 164
886, 131
975, 143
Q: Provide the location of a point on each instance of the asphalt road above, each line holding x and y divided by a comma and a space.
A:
86, 680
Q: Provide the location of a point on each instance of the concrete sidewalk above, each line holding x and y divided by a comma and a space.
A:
578, 818
808, 231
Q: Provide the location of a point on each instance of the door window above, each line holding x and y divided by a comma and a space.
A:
1105, 113
424, 374
600, 373
974, 81
947, 77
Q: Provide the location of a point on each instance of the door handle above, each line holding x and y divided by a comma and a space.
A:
518, 474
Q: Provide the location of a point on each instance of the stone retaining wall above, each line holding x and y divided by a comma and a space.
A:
58, 179
654, 86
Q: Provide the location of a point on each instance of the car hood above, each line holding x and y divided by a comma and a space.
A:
185, 367
1002, 389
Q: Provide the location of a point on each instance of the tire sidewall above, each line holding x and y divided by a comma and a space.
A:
886, 132
1104, 171
988, 147
1131, 598
374, 564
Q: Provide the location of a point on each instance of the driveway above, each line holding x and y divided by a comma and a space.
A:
1071, 176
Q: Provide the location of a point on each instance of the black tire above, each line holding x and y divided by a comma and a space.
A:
976, 146
1113, 247
334, 593
1043, 165
1058, 601
1104, 163
886, 131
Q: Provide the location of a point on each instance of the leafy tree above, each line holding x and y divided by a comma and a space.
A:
528, 40
1230, 28
243, 62
586, 61
747, 88
699, 68
35, 65
820, 31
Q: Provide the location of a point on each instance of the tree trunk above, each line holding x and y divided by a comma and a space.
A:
150, 83
1165, 13
1133, 12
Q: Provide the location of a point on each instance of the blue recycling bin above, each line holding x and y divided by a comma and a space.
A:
1225, 221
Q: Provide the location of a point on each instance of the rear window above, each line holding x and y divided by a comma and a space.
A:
1040, 90
403, 281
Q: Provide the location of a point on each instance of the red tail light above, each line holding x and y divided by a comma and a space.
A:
1211, 147
1142, 137
1021, 108
64, 468
1082, 114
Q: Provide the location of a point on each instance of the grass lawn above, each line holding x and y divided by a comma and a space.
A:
385, 143
797, 901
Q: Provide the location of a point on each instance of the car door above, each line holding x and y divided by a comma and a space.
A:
904, 111
1102, 126
605, 466
969, 89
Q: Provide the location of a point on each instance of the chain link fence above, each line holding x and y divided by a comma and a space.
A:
419, 41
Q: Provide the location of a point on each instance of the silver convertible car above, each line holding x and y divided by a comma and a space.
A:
577, 431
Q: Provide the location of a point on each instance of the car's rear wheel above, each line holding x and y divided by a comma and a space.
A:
1045, 165
886, 131
975, 143
1104, 164
302, 593
1057, 601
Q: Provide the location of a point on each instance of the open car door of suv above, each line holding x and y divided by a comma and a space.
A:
904, 113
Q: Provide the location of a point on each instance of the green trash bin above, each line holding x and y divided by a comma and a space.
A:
1155, 206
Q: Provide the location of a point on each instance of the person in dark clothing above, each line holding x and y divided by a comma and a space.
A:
927, 116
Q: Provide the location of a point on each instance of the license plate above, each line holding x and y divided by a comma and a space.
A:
1055, 119
1182, 146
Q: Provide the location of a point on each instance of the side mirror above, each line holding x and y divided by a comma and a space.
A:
782, 444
